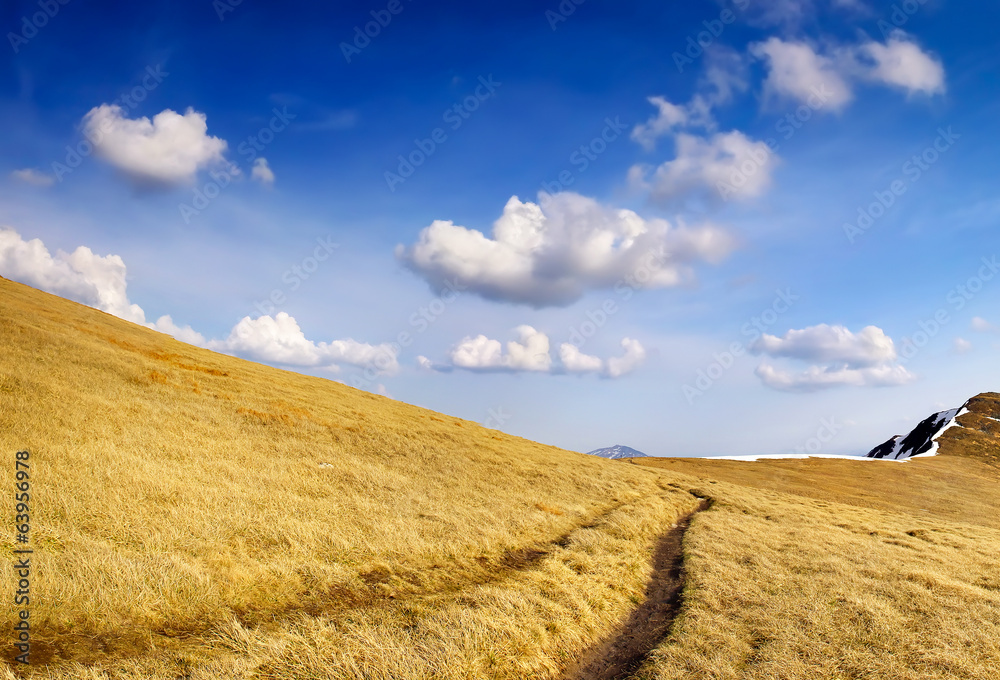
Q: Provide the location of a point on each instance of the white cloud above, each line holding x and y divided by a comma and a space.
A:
713, 165
903, 64
169, 149
823, 343
529, 353
822, 377
839, 356
724, 165
575, 361
100, 282
725, 74
981, 325
262, 172
634, 355
552, 252
796, 71
33, 177
962, 346
668, 118
279, 339
166, 325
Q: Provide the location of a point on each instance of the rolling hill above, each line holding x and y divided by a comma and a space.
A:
198, 516
978, 432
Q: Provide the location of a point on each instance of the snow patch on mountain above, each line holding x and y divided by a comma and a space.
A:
922, 441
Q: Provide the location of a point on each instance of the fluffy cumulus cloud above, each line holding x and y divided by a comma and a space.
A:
531, 353
821, 377
838, 357
100, 282
167, 150
633, 357
95, 280
551, 252
824, 343
279, 339
262, 172
575, 361
669, 117
722, 166
901, 63
707, 164
796, 71
802, 72
33, 177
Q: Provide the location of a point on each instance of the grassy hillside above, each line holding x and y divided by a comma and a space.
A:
979, 436
187, 503
198, 516
832, 568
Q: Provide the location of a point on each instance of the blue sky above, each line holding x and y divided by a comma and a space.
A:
688, 190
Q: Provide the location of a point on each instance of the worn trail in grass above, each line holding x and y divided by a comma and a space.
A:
617, 657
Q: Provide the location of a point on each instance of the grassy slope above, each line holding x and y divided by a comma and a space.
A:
185, 528
844, 569
182, 516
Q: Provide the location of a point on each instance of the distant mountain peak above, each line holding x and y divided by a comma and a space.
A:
978, 432
617, 451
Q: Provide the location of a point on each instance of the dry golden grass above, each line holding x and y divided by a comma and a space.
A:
949, 487
826, 568
187, 503
786, 587
197, 516
979, 436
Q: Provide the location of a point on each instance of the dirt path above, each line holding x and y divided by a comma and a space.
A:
621, 655
89, 649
